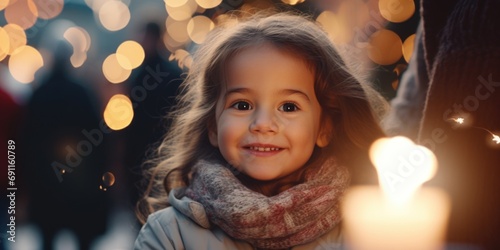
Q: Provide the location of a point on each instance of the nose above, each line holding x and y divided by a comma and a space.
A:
264, 121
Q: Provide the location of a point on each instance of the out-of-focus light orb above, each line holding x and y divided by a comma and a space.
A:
182, 12
385, 47
21, 12
178, 30
119, 112
17, 37
113, 71
198, 28
108, 179
208, 4
292, 2
4, 4
170, 43
184, 59
396, 11
338, 30
175, 3
4, 43
79, 39
130, 55
24, 63
408, 47
114, 15
48, 9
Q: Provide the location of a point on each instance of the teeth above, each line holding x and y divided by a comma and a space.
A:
262, 149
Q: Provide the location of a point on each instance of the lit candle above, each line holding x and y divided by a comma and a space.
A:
399, 214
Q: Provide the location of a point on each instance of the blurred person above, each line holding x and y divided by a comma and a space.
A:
63, 166
153, 90
454, 73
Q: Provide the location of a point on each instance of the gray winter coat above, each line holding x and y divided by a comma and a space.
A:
184, 225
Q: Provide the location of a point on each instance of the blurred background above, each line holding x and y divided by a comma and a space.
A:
86, 87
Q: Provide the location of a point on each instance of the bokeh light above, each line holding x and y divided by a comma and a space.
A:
17, 37
170, 43
292, 2
408, 47
4, 43
130, 55
208, 4
175, 3
4, 4
396, 11
178, 30
108, 179
119, 112
337, 30
21, 12
183, 57
79, 39
113, 71
114, 15
49, 9
198, 28
24, 63
182, 12
385, 47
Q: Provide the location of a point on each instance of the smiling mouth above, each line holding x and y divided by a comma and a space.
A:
264, 149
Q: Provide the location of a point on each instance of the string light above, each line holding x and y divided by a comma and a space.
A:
461, 120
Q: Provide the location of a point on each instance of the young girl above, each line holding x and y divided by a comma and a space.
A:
270, 127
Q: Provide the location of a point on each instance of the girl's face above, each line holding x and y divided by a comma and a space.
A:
268, 117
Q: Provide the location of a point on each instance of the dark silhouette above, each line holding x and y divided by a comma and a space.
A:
63, 167
153, 91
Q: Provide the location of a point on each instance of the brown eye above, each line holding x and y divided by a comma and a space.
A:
242, 105
289, 107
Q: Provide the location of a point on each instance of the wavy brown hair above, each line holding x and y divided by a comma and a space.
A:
347, 103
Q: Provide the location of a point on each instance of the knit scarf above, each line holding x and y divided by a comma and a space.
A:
293, 217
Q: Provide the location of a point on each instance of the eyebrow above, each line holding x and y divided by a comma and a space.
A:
281, 92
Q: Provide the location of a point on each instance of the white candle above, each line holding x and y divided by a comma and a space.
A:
398, 214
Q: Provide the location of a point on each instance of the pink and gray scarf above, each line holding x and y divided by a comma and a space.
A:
293, 217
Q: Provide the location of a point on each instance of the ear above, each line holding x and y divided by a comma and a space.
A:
212, 136
325, 133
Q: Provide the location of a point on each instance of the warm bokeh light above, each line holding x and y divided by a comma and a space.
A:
385, 47
182, 12
79, 39
396, 11
114, 15
184, 59
17, 37
4, 43
4, 4
49, 9
21, 12
337, 30
108, 179
402, 166
119, 112
208, 4
178, 30
292, 2
175, 3
113, 71
170, 43
24, 63
130, 55
408, 47
198, 28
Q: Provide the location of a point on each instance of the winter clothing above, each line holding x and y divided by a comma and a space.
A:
217, 212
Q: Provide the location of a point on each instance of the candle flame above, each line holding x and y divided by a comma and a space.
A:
402, 166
